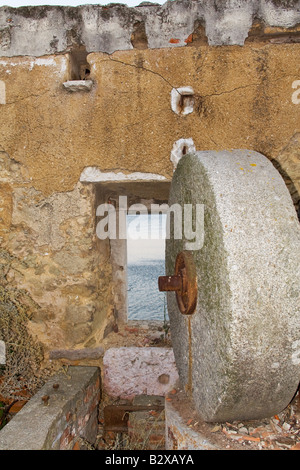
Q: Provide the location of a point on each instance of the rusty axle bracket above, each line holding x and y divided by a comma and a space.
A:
183, 283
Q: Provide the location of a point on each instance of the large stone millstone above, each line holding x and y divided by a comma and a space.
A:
238, 355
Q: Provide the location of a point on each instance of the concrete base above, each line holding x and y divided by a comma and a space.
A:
186, 431
182, 427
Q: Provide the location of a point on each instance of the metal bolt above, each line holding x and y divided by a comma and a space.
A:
170, 283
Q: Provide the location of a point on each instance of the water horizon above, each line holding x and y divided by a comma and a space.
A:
145, 301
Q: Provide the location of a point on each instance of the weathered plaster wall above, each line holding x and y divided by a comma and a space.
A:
126, 124
240, 58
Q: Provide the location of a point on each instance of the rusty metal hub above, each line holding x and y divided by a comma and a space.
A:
183, 283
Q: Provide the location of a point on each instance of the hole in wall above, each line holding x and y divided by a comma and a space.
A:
182, 100
198, 36
186, 104
79, 66
180, 148
139, 38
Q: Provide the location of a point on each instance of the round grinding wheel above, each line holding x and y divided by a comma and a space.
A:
238, 354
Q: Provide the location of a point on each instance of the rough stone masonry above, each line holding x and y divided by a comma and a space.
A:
239, 61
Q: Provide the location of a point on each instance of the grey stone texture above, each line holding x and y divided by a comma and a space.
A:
238, 355
42, 30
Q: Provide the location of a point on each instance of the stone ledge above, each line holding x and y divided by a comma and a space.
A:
146, 429
55, 423
78, 85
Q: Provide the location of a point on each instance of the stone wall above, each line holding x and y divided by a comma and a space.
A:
55, 255
237, 63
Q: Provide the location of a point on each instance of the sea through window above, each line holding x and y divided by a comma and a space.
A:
146, 235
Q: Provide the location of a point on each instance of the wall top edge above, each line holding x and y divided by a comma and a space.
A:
44, 30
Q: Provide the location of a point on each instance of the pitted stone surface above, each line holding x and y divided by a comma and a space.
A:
138, 371
239, 354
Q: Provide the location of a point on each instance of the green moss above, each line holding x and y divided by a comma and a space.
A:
213, 317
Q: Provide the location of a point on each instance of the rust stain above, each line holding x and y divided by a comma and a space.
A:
174, 41
189, 386
184, 283
189, 39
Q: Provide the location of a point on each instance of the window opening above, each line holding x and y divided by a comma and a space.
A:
146, 235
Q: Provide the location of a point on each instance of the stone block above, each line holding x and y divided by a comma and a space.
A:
136, 371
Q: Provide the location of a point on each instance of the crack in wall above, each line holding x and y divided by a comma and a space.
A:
145, 69
141, 67
270, 82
